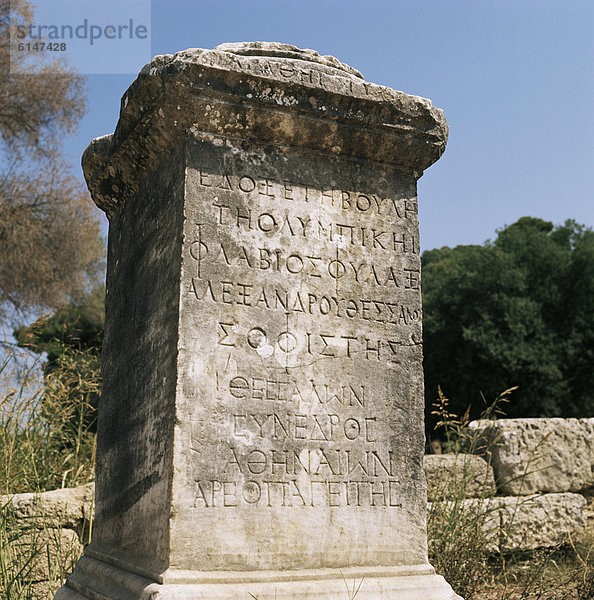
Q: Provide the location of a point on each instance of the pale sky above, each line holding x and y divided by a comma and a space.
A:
514, 78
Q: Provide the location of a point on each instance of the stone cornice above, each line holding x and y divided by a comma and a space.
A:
267, 92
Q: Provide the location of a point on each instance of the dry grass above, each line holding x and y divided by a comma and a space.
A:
38, 453
459, 539
562, 573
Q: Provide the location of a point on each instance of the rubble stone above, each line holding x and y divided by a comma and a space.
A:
540, 455
452, 474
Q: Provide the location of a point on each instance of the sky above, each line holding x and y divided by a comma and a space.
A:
515, 80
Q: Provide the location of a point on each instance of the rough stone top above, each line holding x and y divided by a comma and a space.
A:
278, 50
266, 92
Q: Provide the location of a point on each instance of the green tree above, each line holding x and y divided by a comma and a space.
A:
72, 339
518, 311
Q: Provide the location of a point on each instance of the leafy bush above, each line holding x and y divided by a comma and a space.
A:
71, 340
515, 311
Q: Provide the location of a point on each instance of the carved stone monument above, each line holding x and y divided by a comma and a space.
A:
261, 424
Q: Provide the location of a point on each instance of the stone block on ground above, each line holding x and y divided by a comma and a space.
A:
540, 455
454, 474
66, 508
513, 523
532, 522
45, 554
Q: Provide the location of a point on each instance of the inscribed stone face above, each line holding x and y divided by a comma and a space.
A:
300, 360
261, 431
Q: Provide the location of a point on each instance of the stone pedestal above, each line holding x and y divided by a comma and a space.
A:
261, 423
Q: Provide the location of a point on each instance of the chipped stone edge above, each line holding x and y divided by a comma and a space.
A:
412, 119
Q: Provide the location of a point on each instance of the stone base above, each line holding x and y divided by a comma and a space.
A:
96, 580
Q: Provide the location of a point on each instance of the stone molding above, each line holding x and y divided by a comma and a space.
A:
97, 579
261, 92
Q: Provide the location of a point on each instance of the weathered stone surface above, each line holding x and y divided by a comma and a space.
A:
457, 474
512, 523
540, 455
540, 521
253, 92
63, 508
46, 535
380, 583
46, 552
261, 416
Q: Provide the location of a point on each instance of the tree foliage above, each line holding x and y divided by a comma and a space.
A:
72, 339
518, 311
50, 242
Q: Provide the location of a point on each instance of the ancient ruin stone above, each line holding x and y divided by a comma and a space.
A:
518, 523
541, 521
63, 508
46, 551
261, 425
458, 475
540, 455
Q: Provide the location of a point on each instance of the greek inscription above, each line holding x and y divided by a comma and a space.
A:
212, 493
306, 265
226, 329
355, 202
294, 440
276, 389
412, 279
300, 301
331, 427
271, 222
302, 75
319, 461
318, 344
